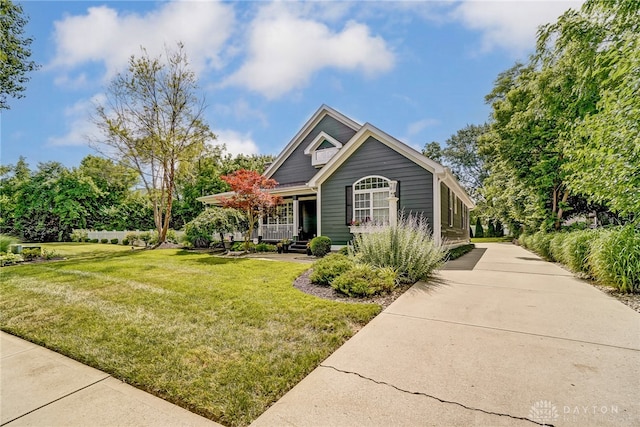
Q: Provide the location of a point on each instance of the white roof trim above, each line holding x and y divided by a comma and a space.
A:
368, 130
318, 141
214, 199
308, 126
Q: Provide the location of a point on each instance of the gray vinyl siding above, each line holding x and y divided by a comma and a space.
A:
458, 231
297, 167
374, 158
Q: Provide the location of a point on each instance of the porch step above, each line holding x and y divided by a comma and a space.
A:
298, 247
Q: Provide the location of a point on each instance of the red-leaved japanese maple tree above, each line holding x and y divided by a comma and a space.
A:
251, 196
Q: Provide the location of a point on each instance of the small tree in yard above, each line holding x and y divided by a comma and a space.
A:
479, 230
251, 197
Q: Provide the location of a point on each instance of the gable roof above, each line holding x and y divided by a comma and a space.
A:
368, 130
323, 111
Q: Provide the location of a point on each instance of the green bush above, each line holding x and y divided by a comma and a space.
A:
10, 259
407, 248
145, 237
479, 230
330, 267
265, 247
115, 241
540, 244
577, 246
556, 247
320, 246
457, 252
49, 254
30, 254
133, 238
79, 236
614, 258
363, 280
94, 240
104, 240
344, 250
125, 241
199, 232
240, 246
5, 242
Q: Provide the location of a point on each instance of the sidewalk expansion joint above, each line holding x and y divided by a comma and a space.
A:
449, 402
54, 401
511, 331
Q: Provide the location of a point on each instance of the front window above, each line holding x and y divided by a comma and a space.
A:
371, 200
283, 214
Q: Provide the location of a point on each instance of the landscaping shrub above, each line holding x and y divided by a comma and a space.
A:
363, 280
125, 241
614, 258
330, 267
132, 238
115, 241
344, 250
104, 240
29, 254
199, 232
5, 242
10, 259
146, 237
577, 246
79, 236
265, 247
407, 248
457, 252
49, 254
320, 246
94, 240
540, 244
556, 247
242, 246
479, 230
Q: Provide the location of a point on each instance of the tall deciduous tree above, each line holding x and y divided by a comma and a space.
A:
251, 196
14, 53
153, 122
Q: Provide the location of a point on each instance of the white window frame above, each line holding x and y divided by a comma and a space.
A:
378, 185
282, 215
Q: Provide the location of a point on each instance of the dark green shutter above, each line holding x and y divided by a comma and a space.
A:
348, 204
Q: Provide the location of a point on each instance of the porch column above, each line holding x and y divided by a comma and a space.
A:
393, 204
296, 219
260, 235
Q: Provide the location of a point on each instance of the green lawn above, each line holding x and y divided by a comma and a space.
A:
224, 338
491, 239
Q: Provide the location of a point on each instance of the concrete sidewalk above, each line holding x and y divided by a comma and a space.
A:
515, 341
39, 387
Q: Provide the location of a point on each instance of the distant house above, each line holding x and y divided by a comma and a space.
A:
337, 174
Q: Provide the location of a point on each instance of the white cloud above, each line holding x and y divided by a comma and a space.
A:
510, 25
236, 142
103, 35
420, 125
241, 110
285, 48
78, 120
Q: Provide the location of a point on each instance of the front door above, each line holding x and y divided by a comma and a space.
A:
308, 227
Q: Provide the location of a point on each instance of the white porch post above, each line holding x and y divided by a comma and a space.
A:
296, 219
260, 235
393, 204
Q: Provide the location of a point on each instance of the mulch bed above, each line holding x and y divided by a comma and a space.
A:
304, 284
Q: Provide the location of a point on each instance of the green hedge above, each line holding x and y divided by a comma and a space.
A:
610, 256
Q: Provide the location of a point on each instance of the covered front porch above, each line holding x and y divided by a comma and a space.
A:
295, 220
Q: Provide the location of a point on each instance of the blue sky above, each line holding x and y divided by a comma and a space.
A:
417, 70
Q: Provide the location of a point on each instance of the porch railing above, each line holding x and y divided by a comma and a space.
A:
276, 231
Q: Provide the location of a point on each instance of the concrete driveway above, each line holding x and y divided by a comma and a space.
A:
511, 340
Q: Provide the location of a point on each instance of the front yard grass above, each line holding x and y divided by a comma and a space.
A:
224, 338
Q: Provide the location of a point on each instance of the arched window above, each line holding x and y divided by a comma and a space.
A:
371, 200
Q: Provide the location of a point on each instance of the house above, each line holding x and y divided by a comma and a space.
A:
337, 174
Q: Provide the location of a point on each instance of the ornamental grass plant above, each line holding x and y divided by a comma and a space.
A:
614, 258
407, 248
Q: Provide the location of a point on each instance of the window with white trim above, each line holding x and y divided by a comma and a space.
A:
371, 200
283, 214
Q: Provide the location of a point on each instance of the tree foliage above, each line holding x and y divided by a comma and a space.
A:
564, 136
251, 196
14, 53
199, 232
153, 122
